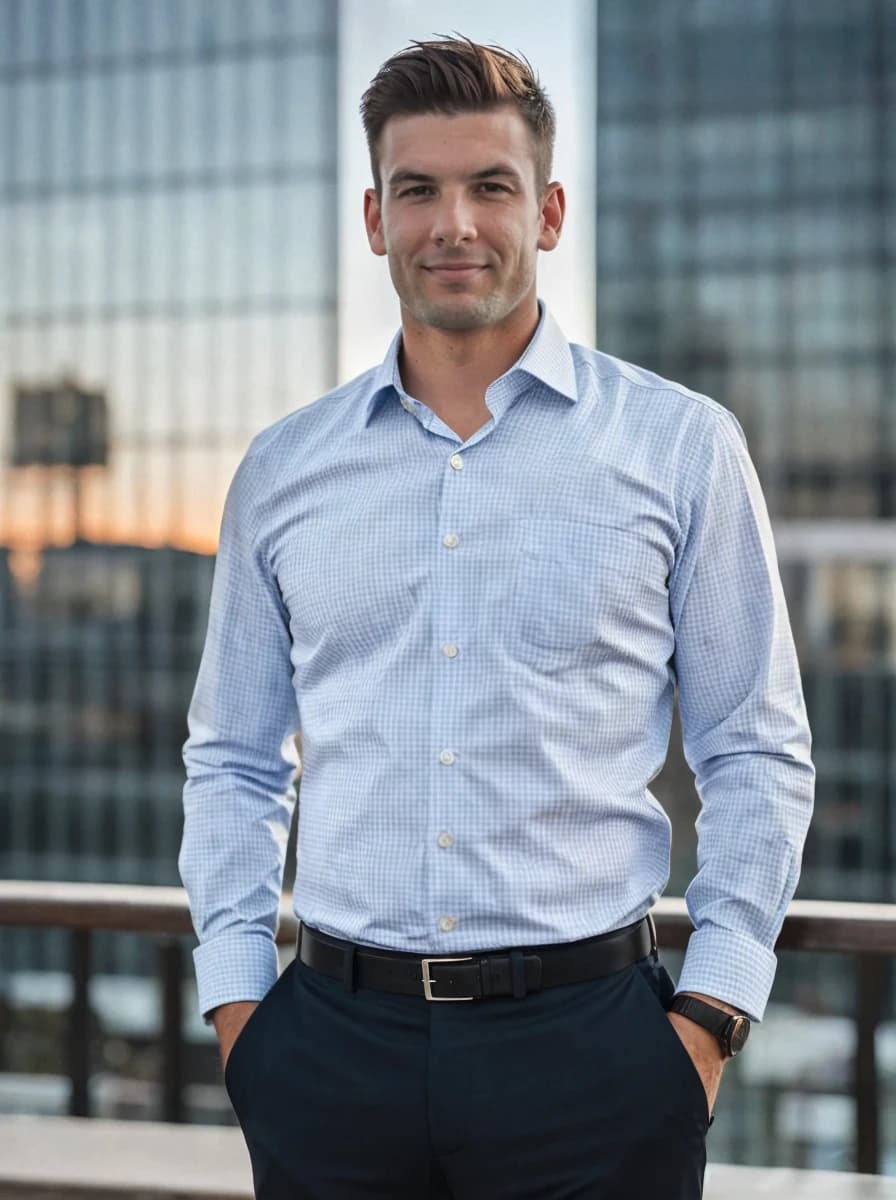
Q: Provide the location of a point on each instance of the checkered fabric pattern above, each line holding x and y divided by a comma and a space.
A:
481, 642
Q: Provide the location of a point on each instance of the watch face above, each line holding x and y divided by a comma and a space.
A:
738, 1032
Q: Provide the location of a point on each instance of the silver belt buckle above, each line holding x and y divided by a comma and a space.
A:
427, 982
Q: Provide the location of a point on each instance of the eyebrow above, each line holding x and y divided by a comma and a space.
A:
486, 173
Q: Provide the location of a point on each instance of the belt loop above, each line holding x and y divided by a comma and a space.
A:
348, 968
654, 948
518, 973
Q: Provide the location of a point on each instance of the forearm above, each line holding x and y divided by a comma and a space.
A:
756, 807
231, 862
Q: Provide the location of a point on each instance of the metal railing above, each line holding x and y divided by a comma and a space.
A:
867, 932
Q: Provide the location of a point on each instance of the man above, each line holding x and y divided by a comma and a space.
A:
474, 578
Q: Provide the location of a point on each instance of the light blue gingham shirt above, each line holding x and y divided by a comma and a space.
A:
481, 642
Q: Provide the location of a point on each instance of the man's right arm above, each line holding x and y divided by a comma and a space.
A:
241, 759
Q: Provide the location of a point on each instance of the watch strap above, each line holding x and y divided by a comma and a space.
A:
711, 1018
719, 1022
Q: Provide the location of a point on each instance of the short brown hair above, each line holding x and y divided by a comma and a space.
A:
455, 75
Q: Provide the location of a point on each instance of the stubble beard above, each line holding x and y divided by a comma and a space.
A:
487, 310
475, 312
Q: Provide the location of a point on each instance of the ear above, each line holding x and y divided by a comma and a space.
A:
553, 210
373, 221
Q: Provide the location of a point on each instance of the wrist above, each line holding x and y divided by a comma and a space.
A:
698, 1040
232, 1015
726, 1024
716, 1003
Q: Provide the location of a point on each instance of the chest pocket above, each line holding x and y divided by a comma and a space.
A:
583, 590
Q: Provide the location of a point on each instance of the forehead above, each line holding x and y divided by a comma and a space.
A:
439, 145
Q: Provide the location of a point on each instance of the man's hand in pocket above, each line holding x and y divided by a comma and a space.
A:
706, 1054
229, 1020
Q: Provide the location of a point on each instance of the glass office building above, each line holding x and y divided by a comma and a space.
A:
167, 240
745, 246
746, 191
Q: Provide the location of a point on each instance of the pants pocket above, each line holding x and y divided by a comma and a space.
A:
659, 988
232, 1067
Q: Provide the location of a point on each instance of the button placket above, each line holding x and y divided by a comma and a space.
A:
448, 620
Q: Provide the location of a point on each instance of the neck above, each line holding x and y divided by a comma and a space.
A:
457, 365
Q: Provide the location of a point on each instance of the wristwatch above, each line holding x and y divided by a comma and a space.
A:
732, 1031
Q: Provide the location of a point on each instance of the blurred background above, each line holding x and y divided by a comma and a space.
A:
182, 262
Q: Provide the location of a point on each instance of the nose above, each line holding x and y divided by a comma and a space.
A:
453, 219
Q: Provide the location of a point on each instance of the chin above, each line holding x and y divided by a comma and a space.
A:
471, 312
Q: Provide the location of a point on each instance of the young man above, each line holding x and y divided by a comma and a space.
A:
475, 577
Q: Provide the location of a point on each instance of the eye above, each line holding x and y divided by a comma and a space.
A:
420, 188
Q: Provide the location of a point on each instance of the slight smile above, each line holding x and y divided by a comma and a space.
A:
454, 273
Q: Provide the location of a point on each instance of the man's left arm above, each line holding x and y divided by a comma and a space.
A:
745, 732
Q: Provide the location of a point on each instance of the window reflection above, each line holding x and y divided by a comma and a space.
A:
167, 238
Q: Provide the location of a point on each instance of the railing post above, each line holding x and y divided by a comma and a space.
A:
869, 982
170, 962
79, 1025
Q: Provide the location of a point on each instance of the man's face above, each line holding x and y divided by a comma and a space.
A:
460, 218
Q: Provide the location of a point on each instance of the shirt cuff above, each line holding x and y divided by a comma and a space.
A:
730, 966
236, 965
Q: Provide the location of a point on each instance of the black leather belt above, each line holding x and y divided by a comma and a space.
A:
478, 976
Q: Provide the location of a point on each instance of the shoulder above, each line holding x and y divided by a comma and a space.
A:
274, 452
669, 407
638, 383
650, 409
318, 419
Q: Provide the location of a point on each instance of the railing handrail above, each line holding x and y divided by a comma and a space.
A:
865, 931
832, 926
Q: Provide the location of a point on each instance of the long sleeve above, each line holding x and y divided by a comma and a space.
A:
240, 760
744, 727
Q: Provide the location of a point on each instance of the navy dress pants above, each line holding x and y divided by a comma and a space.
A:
578, 1091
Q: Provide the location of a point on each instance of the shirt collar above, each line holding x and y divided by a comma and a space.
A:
547, 357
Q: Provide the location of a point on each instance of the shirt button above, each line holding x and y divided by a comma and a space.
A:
450, 540
447, 923
406, 404
445, 839
449, 650
446, 757
456, 461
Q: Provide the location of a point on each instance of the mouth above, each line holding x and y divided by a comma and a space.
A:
455, 274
